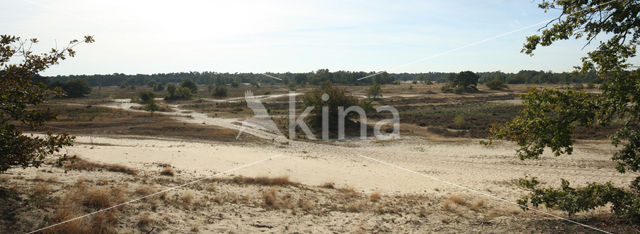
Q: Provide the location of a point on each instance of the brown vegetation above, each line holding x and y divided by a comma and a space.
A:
77, 163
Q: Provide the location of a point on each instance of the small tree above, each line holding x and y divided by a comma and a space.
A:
19, 99
151, 106
146, 96
188, 83
337, 97
374, 92
496, 85
220, 91
467, 80
549, 116
171, 88
158, 87
76, 88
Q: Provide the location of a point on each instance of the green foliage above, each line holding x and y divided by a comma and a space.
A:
367, 105
550, 116
234, 84
465, 81
171, 88
458, 120
446, 88
151, 106
20, 98
374, 92
496, 85
548, 119
573, 200
337, 97
146, 96
189, 84
220, 91
76, 88
178, 93
158, 87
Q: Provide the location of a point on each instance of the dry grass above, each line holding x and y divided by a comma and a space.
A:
458, 199
187, 199
270, 198
375, 196
355, 206
98, 198
349, 192
145, 221
75, 202
77, 163
40, 193
144, 190
167, 171
328, 185
477, 204
263, 180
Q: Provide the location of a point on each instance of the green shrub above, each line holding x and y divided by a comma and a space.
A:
220, 91
189, 84
146, 96
496, 85
76, 88
337, 97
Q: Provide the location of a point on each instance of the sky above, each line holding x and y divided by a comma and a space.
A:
145, 37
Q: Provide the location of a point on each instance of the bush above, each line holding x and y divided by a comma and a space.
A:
189, 84
458, 90
220, 91
374, 92
76, 88
496, 85
146, 96
337, 97
446, 88
178, 93
573, 200
21, 100
158, 87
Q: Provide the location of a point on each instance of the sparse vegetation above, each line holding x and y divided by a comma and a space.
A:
77, 163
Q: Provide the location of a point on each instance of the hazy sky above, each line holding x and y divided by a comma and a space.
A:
277, 36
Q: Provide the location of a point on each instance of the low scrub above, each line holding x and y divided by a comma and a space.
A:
77, 163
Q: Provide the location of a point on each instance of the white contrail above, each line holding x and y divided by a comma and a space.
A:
477, 42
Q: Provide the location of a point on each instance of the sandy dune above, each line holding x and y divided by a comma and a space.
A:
488, 169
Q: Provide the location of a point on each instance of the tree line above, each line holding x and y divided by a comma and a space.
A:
320, 76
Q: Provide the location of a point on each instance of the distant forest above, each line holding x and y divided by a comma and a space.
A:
322, 75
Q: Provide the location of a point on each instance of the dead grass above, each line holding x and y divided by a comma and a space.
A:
263, 180
349, 192
282, 181
145, 221
458, 199
40, 194
98, 199
328, 185
77, 163
375, 196
167, 171
74, 204
144, 190
187, 200
270, 197
477, 204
